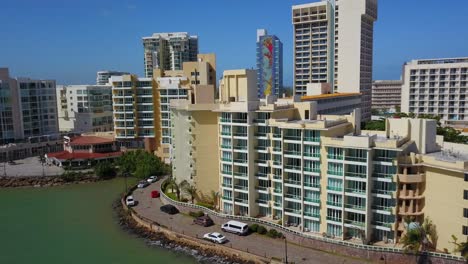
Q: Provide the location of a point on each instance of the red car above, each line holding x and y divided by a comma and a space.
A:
155, 194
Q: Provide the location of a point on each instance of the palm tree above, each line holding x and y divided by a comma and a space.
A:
461, 247
172, 183
214, 198
419, 237
189, 189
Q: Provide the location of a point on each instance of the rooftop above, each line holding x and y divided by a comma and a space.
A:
327, 96
439, 61
449, 155
90, 140
65, 155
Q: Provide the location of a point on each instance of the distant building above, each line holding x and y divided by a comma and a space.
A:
168, 51
85, 108
386, 95
85, 150
269, 64
102, 77
28, 107
318, 29
437, 87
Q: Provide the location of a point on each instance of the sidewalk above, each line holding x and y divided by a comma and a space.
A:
253, 243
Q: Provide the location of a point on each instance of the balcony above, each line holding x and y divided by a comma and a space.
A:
260, 201
279, 191
291, 181
311, 214
357, 159
292, 137
383, 175
334, 204
292, 167
277, 162
355, 174
241, 148
312, 139
276, 149
335, 157
226, 172
312, 200
226, 159
292, 210
355, 207
241, 187
261, 134
261, 175
225, 120
264, 148
311, 184
243, 161
261, 188
227, 185
334, 188
277, 177
309, 169
335, 173
239, 134
411, 178
356, 191
312, 155
227, 198
261, 161
226, 133
382, 208
226, 146
241, 200
292, 196
355, 223
410, 194
384, 224
292, 152
239, 121
241, 174
384, 192
334, 219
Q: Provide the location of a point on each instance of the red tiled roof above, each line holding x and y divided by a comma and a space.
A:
65, 155
90, 140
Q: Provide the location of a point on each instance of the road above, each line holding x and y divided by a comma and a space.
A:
253, 243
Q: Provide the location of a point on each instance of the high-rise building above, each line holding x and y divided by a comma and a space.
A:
282, 161
10, 119
437, 87
269, 64
333, 43
102, 77
168, 51
386, 94
84, 108
135, 103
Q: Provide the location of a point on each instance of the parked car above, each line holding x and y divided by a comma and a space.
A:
169, 209
215, 237
235, 227
203, 221
130, 201
152, 179
142, 184
155, 194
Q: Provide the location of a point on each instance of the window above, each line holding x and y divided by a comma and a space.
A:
465, 230
466, 176
465, 194
465, 212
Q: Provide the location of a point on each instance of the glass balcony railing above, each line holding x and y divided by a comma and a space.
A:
383, 175
385, 192
292, 210
312, 155
292, 152
355, 174
385, 224
335, 188
240, 200
226, 159
227, 198
277, 162
277, 149
334, 204
261, 188
240, 161
261, 175
336, 173
357, 159
227, 185
241, 187
277, 135
355, 223
291, 181
277, 177
226, 172
311, 199
240, 174
292, 137
334, 219
278, 204
241, 121
311, 184
277, 190
335, 157
261, 201
241, 147
226, 146
261, 161
292, 196
260, 134
352, 190
356, 207
292, 167
310, 169
386, 159
226, 133
311, 139
312, 214
225, 120
382, 208
239, 134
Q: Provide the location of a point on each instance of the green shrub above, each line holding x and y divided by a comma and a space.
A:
173, 196
196, 214
261, 230
272, 233
280, 235
184, 200
209, 206
105, 170
253, 228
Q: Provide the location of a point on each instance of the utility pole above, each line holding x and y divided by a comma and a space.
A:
285, 251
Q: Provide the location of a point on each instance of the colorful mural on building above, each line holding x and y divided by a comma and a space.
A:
267, 63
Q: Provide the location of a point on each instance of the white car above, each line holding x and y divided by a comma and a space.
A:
130, 201
215, 237
142, 184
152, 179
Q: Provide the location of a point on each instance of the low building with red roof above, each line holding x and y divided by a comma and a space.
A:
84, 150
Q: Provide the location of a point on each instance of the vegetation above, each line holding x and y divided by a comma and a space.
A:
189, 190
209, 206
142, 164
196, 214
253, 228
461, 247
173, 186
419, 237
259, 229
450, 134
105, 170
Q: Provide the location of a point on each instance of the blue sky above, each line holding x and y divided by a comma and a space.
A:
69, 40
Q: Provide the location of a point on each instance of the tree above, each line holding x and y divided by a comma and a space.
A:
141, 164
419, 237
461, 247
189, 190
172, 184
375, 125
105, 170
214, 198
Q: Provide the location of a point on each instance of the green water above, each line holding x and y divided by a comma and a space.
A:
70, 224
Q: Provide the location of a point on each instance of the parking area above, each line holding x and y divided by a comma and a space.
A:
28, 167
257, 244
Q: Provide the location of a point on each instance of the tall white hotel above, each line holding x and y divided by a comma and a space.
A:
333, 43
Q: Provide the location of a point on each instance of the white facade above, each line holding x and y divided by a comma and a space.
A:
102, 77
319, 28
85, 108
437, 87
386, 94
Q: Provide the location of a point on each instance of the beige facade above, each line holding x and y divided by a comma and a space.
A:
437, 87
283, 162
333, 43
386, 94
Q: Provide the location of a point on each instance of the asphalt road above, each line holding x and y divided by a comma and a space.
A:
253, 243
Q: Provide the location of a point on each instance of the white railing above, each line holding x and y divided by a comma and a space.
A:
290, 231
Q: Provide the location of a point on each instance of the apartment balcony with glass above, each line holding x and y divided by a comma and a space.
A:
356, 187
356, 155
355, 220
335, 153
355, 203
292, 135
311, 136
335, 169
311, 152
292, 179
356, 171
312, 182
293, 194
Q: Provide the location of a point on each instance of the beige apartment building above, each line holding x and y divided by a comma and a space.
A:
279, 160
333, 43
437, 87
386, 94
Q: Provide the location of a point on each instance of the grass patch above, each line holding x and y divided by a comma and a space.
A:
173, 196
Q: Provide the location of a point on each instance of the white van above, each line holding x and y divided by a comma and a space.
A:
235, 227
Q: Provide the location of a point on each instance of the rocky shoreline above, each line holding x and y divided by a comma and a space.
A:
157, 239
43, 181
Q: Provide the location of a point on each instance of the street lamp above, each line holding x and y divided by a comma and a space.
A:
285, 251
